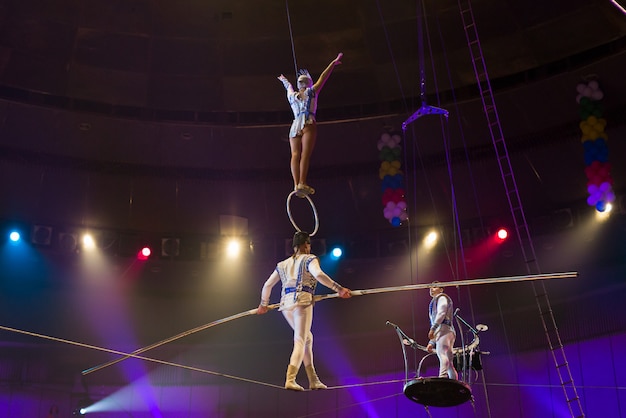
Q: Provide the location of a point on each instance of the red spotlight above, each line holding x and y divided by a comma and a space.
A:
502, 234
144, 253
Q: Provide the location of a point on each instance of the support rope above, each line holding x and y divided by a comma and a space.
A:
182, 366
293, 48
318, 298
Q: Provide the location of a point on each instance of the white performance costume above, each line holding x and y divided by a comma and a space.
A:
303, 106
299, 275
441, 313
298, 281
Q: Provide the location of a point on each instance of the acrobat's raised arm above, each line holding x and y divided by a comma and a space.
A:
286, 84
326, 73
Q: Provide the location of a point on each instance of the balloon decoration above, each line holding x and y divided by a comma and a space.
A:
594, 140
394, 205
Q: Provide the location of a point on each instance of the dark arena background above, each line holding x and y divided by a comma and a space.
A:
162, 125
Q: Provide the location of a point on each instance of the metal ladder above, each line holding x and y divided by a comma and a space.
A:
517, 211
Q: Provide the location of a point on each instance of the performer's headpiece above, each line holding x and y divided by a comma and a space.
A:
304, 74
300, 238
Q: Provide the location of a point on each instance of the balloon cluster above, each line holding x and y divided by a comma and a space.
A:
594, 139
392, 178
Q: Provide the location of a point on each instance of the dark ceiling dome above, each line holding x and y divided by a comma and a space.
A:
205, 61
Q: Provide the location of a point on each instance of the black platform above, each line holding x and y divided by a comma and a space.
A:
437, 391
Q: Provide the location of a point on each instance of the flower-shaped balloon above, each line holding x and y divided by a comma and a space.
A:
394, 205
594, 140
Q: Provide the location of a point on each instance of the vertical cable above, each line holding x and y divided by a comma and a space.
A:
398, 80
293, 48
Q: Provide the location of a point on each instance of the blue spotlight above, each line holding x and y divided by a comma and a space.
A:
14, 236
336, 253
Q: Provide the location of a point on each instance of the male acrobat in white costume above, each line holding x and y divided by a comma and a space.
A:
299, 275
442, 334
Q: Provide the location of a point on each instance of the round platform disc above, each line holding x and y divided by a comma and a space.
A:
437, 391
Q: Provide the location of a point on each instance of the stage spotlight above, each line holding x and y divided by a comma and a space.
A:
170, 247
233, 248
431, 239
562, 218
81, 410
603, 215
83, 406
68, 242
14, 236
336, 253
502, 234
41, 235
89, 243
144, 253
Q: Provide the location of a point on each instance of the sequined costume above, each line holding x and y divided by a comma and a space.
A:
304, 106
298, 283
299, 275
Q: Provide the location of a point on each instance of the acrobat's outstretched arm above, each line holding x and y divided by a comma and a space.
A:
323, 278
286, 84
326, 73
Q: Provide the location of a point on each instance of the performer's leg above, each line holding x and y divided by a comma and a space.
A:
452, 374
308, 349
445, 342
300, 320
296, 152
309, 137
307, 315
309, 367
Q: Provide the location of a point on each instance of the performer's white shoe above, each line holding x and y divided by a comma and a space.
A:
314, 381
303, 190
290, 380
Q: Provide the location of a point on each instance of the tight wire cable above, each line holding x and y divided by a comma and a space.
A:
172, 364
121, 353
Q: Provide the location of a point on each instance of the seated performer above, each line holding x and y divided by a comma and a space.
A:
442, 334
303, 133
299, 275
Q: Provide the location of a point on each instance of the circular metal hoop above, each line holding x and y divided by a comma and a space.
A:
313, 208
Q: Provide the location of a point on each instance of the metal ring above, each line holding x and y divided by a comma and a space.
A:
317, 219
